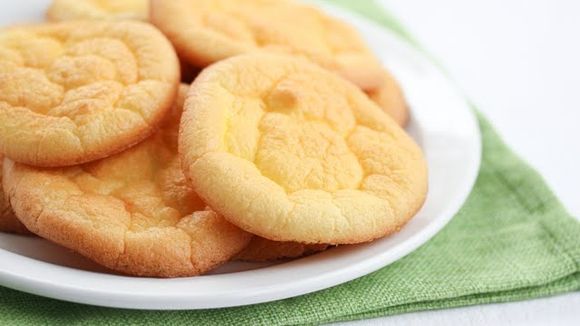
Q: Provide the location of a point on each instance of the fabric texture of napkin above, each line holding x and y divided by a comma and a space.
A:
512, 240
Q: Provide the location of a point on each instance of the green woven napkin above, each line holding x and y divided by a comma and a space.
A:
512, 240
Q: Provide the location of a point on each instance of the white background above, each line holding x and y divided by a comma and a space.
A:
519, 61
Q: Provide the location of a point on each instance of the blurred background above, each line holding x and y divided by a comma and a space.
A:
519, 61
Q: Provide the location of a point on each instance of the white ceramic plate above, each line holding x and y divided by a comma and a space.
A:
442, 123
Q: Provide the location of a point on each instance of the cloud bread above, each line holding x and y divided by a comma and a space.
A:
79, 91
133, 212
61, 10
207, 31
291, 152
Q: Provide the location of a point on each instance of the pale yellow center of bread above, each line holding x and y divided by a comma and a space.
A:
147, 179
303, 141
305, 155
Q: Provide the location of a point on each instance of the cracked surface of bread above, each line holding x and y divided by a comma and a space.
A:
391, 99
8, 221
291, 152
61, 10
74, 92
260, 249
207, 31
132, 212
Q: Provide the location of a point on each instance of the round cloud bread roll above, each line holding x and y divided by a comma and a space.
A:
291, 152
133, 212
75, 92
207, 31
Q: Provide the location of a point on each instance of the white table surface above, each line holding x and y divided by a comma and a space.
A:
519, 61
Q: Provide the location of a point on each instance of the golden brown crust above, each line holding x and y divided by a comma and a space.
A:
260, 249
391, 99
304, 155
132, 212
79, 91
207, 31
